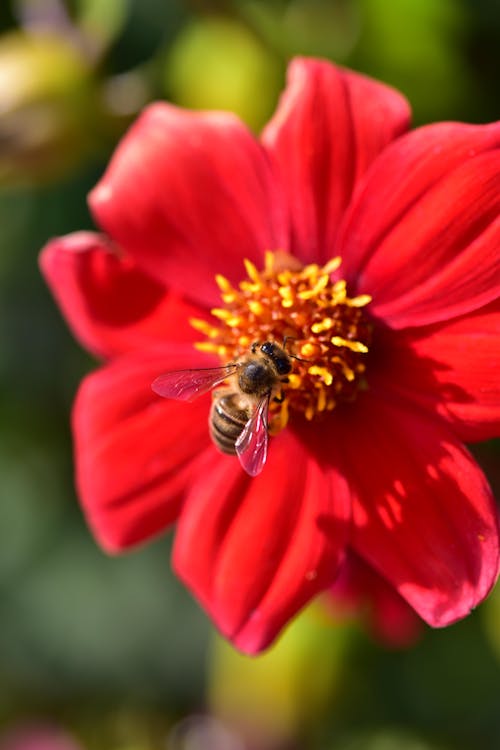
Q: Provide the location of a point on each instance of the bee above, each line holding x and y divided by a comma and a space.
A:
238, 419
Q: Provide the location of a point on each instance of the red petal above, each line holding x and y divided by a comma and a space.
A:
360, 590
329, 127
188, 195
254, 551
111, 306
135, 452
422, 236
423, 514
452, 369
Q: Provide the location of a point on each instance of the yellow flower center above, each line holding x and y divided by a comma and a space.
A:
302, 308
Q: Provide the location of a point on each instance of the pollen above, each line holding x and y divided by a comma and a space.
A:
308, 311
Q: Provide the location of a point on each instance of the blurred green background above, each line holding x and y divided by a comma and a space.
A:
112, 654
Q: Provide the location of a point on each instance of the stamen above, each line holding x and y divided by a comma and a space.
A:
201, 325
255, 306
223, 284
221, 313
354, 346
310, 349
208, 346
323, 325
268, 262
360, 301
321, 405
294, 381
325, 375
314, 292
252, 271
332, 265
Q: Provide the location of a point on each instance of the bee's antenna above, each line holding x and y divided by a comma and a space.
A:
293, 356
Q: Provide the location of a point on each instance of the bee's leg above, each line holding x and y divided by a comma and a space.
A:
279, 399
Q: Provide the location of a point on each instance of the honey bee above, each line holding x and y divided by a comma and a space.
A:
239, 415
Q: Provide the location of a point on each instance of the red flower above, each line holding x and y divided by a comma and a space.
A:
359, 591
377, 466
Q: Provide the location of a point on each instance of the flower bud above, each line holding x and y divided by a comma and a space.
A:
272, 699
47, 102
217, 63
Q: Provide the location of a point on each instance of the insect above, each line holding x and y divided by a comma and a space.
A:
239, 415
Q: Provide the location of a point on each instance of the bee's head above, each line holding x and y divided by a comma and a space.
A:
278, 357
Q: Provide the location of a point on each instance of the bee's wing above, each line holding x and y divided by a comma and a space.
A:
186, 385
251, 445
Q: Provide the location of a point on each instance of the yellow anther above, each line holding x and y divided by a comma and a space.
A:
332, 265
287, 303
284, 277
200, 325
321, 405
325, 375
359, 301
221, 313
223, 283
244, 342
255, 306
206, 346
294, 381
322, 325
339, 286
321, 283
346, 371
285, 292
354, 346
248, 286
282, 415
309, 412
268, 261
203, 327
229, 297
251, 270
339, 293
308, 349
308, 271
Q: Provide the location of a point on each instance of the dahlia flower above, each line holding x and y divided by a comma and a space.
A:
374, 252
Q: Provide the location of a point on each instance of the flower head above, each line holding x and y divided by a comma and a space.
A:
370, 254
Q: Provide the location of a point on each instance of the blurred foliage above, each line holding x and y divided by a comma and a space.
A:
249, 88
113, 651
286, 690
46, 123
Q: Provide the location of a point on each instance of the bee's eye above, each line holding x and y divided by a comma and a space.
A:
267, 348
283, 365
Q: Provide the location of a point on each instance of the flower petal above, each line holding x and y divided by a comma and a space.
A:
135, 452
188, 195
329, 127
254, 551
111, 306
452, 369
423, 233
423, 514
360, 590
